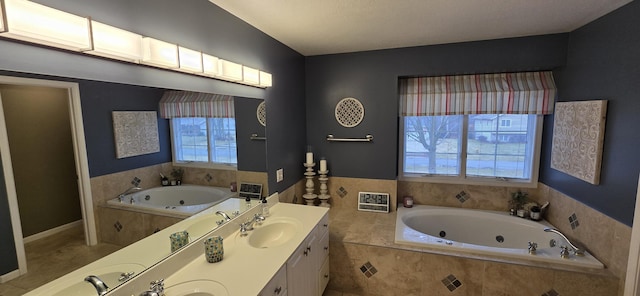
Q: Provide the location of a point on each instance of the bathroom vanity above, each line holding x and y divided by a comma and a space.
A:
287, 254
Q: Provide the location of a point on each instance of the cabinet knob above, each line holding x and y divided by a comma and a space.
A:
326, 248
326, 276
278, 290
325, 225
309, 249
306, 253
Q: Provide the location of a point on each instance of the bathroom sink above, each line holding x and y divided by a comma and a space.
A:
196, 288
110, 275
273, 233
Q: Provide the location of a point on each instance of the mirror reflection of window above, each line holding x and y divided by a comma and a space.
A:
206, 140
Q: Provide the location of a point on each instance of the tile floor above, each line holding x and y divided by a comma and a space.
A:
52, 257
337, 293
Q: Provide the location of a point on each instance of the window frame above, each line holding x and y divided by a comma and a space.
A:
199, 164
461, 178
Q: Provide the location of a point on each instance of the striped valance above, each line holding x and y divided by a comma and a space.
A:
504, 93
195, 104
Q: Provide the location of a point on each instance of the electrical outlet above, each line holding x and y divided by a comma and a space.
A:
279, 175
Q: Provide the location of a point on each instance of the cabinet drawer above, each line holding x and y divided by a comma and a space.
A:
323, 276
278, 284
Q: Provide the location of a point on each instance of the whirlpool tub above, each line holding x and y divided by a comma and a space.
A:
490, 233
180, 201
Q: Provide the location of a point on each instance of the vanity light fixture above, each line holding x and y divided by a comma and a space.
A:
250, 75
209, 65
115, 43
190, 60
32, 22
35, 23
265, 79
229, 70
159, 53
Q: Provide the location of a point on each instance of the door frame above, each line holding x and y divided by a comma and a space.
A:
632, 281
81, 164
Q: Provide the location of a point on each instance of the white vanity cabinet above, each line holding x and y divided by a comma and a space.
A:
278, 284
305, 264
322, 254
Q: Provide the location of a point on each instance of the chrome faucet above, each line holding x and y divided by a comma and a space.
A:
247, 226
100, 286
224, 215
576, 250
131, 189
156, 288
533, 247
564, 252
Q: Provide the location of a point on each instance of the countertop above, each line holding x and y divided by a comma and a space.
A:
246, 270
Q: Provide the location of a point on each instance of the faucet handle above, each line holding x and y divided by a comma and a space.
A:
532, 248
564, 252
157, 286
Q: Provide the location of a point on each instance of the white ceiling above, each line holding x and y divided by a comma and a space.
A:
316, 27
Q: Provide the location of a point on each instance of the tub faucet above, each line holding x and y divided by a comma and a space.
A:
224, 215
131, 189
100, 286
576, 250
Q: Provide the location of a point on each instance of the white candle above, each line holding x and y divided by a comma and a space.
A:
309, 157
323, 165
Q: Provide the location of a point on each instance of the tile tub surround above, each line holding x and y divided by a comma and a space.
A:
109, 186
122, 227
358, 238
605, 238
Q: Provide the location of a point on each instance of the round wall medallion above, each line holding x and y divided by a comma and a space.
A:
349, 112
261, 113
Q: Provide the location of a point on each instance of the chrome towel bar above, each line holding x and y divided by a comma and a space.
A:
255, 137
367, 138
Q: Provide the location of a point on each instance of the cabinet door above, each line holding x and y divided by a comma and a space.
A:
313, 246
323, 277
298, 272
322, 250
278, 284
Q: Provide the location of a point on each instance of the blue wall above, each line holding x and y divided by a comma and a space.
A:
372, 77
597, 61
603, 63
251, 153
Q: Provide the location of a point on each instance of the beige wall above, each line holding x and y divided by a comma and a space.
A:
42, 155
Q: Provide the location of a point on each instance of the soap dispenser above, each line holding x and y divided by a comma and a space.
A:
265, 207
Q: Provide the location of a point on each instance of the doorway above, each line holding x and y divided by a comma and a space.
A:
76, 175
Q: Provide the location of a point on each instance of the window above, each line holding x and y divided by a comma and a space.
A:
207, 141
473, 149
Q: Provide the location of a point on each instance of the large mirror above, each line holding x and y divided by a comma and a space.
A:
246, 131
122, 228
